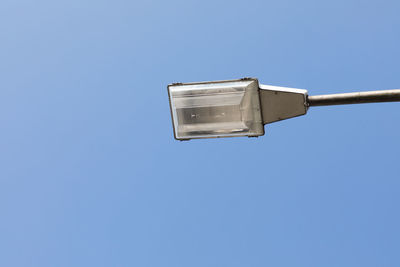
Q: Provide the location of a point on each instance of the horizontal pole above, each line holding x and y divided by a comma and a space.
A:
355, 98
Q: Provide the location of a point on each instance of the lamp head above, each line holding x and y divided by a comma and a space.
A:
216, 109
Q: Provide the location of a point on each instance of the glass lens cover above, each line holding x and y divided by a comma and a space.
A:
216, 109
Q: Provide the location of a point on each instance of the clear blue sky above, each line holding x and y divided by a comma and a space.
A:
90, 174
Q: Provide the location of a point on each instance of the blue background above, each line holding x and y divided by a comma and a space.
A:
90, 174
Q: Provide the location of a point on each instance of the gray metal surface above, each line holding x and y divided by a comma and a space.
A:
280, 103
355, 98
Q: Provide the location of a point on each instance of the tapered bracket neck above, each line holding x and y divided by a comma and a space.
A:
280, 103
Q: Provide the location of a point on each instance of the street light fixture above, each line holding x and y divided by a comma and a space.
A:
242, 107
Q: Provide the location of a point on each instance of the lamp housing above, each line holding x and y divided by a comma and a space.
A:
216, 109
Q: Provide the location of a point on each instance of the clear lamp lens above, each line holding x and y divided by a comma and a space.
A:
216, 109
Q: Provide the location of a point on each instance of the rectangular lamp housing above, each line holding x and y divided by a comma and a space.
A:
216, 109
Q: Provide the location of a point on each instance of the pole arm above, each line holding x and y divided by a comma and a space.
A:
354, 98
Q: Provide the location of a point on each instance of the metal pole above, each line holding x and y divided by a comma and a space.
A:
355, 98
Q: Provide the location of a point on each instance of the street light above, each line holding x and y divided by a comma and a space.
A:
242, 107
